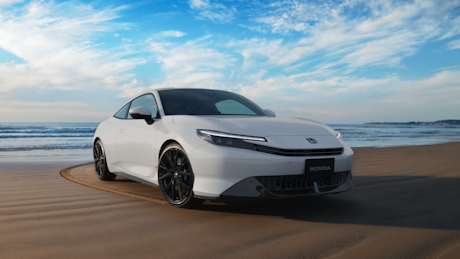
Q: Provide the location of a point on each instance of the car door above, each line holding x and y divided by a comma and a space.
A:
135, 140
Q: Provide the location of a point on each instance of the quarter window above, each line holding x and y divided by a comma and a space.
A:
121, 114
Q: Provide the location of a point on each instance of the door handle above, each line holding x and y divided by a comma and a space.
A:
121, 130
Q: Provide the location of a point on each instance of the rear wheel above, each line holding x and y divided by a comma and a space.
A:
100, 162
176, 178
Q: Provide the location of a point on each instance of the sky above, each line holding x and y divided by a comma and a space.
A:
333, 61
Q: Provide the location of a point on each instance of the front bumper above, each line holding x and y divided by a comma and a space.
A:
225, 173
252, 189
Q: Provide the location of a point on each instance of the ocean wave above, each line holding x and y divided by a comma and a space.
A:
47, 130
48, 136
21, 127
47, 147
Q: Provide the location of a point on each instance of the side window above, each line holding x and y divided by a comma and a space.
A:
233, 107
148, 101
121, 114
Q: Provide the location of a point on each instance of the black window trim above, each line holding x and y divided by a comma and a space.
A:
158, 116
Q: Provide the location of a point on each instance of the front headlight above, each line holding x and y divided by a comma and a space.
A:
226, 139
339, 137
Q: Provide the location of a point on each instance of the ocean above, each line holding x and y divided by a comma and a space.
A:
72, 141
46, 141
368, 135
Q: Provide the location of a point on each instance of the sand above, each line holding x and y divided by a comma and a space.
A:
405, 204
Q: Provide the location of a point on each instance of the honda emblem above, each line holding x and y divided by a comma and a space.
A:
312, 140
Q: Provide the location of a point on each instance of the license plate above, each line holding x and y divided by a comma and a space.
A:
319, 168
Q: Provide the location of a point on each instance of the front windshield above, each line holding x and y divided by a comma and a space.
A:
207, 102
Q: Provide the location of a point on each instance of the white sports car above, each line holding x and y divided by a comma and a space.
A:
199, 144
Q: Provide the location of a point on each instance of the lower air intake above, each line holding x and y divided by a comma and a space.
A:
299, 184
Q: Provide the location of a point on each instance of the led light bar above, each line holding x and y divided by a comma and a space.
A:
227, 135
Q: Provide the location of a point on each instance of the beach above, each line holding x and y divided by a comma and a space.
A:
404, 204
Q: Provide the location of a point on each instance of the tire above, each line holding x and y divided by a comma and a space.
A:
100, 162
176, 178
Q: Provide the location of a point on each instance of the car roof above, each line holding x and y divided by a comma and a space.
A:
172, 88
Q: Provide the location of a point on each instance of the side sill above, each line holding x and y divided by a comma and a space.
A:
136, 179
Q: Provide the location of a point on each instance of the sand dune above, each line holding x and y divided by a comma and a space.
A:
405, 204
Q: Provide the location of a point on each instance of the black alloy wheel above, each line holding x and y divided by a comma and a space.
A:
100, 162
176, 178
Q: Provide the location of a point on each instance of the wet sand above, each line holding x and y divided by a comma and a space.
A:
405, 204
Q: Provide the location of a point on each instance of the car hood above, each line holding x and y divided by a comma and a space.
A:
256, 126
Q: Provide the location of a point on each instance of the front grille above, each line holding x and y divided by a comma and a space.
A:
295, 152
299, 184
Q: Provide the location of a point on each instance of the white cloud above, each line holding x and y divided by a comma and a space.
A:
304, 67
189, 58
50, 115
357, 100
387, 51
285, 16
451, 27
191, 64
200, 4
9, 2
176, 34
210, 80
130, 89
351, 34
213, 11
53, 40
455, 44
13, 103
287, 87
442, 88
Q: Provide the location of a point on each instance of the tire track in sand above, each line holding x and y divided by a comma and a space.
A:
66, 173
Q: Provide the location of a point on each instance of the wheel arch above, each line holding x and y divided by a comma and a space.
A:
165, 144
95, 140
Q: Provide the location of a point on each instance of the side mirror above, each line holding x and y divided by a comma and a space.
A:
269, 112
141, 112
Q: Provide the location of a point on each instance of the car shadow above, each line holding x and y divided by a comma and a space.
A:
399, 201
123, 180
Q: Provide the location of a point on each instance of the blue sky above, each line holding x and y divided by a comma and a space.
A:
334, 61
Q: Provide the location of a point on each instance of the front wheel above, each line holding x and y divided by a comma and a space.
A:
100, 162
175, 177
